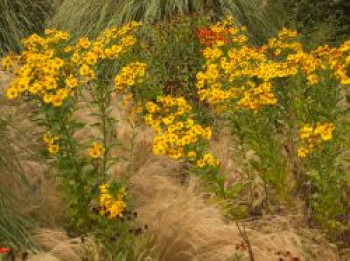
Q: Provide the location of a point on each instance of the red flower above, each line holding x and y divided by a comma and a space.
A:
208, 37
5, 250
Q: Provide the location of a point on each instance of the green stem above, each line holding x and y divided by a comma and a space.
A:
103, 103
70, 146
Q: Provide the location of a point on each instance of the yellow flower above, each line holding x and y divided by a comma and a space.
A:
47, 98
50, 83
35, 88
186, 140
159, 149
104, 188
11, 93
130, 75
192, 154
200, 163
83, 43
305, 132
189, 123
312, 79
22, 85
54, 148
96, 150
7, 62
207, 133
302, 152
179, 125
71, 82
116, 209
325, 130
57, 100
58, 63
109, 206
151, 107
168, 120
85, 71
171, 128
48, 139
68, 49
91, 58
345, 80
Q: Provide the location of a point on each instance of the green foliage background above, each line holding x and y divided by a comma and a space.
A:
321, 21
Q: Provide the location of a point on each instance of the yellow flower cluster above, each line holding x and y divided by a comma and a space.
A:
177, 133
39, 69
96, 150
241, 76
208, 159
311, 137
8, 62
130, 75
257, 97
109, 206
52, 143
50, 69
337, 60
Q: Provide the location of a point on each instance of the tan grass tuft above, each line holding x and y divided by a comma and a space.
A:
43, 257
56, 243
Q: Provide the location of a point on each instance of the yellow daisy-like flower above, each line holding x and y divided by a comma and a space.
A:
68, 49
57, 100
312, 79
6, 63
325, 130
110, 206
302, 152
200, 163
86, 71
54, 148
116, 209
47, 98
71, 82
12, 93
104, 188
305, 132
207, 133
96, 150
192, 154
48, 139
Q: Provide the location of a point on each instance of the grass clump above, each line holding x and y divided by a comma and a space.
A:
86, 17
14, 227
20, 18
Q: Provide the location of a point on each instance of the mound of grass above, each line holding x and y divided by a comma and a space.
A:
89, 17
20, 18
14, 228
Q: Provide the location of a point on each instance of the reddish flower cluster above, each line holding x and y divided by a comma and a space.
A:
5, 250
207, 36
